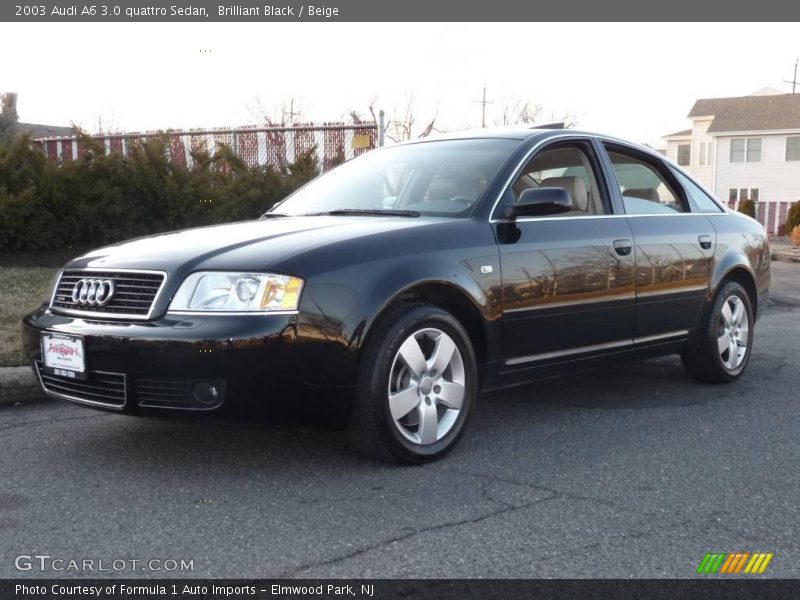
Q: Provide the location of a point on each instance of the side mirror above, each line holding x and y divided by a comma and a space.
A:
536, 202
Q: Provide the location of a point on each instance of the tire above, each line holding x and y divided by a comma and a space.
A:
729, 326
404, 409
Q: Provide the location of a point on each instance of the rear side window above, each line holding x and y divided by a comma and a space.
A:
645, 191
699, 201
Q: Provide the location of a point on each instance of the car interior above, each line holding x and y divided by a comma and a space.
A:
643, 189
566, 168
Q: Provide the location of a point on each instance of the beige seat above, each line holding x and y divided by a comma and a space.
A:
576, 189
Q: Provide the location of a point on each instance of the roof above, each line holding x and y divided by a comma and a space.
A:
36, 130
509, 132
750, 113
682, 133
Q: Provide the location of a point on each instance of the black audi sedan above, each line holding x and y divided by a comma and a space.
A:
399, 285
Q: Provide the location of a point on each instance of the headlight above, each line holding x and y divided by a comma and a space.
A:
210, 291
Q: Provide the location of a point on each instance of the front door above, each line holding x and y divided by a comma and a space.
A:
568, 279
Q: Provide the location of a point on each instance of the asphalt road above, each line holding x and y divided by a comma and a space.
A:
634, 472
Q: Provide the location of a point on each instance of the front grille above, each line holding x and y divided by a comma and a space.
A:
164, 393
100, 387
135, 293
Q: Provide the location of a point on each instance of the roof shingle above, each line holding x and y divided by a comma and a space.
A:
750, 113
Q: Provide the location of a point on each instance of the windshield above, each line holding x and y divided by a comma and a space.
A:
445, 178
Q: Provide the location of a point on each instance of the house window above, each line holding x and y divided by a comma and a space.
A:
793, 148
746, 150
737, 195
684, 154
705, 154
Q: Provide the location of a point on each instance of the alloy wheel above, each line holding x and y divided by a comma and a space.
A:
733, 334
426, 386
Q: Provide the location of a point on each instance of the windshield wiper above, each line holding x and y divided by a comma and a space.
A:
272, 215
376, 212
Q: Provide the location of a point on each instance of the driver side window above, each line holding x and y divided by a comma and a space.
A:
569, 168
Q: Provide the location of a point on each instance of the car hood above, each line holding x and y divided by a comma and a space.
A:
246, 246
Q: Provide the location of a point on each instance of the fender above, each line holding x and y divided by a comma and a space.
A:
337, 320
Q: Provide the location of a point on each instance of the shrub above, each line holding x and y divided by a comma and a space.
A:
747, 207
792, 218
794, 236
100, 199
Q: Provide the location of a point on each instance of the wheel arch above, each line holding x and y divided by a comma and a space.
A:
736, 267
449, 297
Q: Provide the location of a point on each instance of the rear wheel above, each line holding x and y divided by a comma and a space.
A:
724, 350
417, 384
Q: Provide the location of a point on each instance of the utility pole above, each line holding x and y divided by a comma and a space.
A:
794, 79
290, 113
483, 104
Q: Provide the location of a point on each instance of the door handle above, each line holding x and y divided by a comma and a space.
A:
623, 247
705, 241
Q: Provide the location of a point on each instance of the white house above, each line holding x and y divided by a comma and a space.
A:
745, 147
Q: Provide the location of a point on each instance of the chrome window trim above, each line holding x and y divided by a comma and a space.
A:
570, 218
76, 399
599, 139
596, 347
108, 315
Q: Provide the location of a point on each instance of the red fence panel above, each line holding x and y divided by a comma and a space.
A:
275, 145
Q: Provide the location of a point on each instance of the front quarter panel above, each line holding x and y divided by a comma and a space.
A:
349, 286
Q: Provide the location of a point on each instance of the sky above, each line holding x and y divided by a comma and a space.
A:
636, 81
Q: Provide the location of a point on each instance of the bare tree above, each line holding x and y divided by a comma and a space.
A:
516, 111
568, 119
290, 111
106, 125
402, 123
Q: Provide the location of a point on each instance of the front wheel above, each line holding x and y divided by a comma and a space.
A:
724, 350
417, 384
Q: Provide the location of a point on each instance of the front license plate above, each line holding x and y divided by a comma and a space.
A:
63, 355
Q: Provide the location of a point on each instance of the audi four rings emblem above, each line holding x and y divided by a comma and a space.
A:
93, 292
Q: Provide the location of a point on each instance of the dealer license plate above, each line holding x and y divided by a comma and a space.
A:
63, 355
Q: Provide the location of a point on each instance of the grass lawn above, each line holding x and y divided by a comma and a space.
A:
21, 290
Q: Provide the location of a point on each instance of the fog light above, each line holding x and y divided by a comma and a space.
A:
206, 394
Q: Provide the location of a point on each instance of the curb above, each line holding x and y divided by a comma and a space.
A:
786, 254
18, 385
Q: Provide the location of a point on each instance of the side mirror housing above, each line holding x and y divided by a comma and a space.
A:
537, 202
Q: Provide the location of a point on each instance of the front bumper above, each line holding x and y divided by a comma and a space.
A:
140, 367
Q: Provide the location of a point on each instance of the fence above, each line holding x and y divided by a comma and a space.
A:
276, 146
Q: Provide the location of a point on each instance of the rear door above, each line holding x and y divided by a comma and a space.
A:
673, 247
